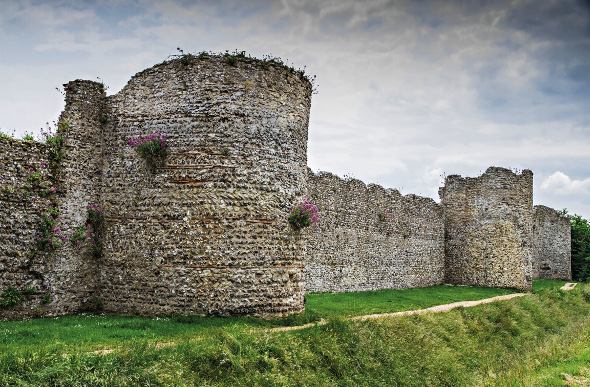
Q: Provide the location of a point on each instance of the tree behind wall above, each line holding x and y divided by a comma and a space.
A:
580, 248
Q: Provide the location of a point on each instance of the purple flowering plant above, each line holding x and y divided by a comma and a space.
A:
49, 235
95, 215
383, 216
56, 140
36, 174
79, 235
304, 214
152, 147
32, 257
46, 294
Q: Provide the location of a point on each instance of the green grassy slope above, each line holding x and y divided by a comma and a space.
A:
539, 339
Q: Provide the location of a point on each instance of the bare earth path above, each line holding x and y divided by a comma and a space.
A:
569, 286
434, 309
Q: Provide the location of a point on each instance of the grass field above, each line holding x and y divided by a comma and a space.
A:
540, 339
99, 330
394, 300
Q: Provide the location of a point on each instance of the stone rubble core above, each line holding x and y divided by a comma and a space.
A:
206, 232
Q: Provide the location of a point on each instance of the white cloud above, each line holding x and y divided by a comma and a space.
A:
561, 184
558, 190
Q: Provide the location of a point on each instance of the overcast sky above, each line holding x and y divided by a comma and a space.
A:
408, 90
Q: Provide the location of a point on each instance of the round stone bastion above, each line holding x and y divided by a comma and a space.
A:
206, 230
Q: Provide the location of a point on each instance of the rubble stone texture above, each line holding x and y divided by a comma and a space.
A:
488, 229
19, 220
551, 245
359, 245
206, 232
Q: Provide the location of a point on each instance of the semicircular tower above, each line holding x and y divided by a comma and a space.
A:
207, 231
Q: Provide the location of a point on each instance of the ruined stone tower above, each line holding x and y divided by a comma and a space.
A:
488, 224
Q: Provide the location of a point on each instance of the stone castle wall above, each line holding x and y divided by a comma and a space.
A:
63, 273
75, 276
20, 210
358, 245
551, 245
488, 229
207, 232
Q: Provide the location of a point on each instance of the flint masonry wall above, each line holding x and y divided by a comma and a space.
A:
357, 247
20, 209
207, 232
488, 229
67, 274
75, 275
551, 245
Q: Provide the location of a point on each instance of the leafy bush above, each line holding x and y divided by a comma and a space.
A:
30, 290
186, 59
95, 304
11, 296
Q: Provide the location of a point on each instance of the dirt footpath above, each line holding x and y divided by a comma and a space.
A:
569, 286
434, 309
